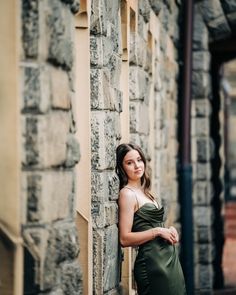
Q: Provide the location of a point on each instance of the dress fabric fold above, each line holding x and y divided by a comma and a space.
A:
157, 268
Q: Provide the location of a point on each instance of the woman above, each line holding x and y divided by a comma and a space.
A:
157, 269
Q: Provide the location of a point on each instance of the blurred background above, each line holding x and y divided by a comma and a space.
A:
77, 78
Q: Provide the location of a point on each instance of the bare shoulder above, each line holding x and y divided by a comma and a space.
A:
127, 196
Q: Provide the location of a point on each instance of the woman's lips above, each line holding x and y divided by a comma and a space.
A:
138, 171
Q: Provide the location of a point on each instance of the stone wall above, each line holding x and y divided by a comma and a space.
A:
153, 97
153, 93
213, 21
49, 148
106, 99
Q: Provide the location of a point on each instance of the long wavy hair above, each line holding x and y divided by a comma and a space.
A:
121, 152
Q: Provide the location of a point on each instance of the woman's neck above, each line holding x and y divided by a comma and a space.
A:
136, 185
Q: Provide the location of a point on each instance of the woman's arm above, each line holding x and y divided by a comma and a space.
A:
127, 206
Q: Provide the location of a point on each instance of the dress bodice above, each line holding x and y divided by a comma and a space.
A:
148, 216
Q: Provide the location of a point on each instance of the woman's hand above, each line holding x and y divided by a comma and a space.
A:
169, 234
174, 231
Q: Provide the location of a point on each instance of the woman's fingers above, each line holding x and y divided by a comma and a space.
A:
174, 231
169, 234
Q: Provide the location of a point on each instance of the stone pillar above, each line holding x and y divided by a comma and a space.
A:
201, 156
106, 51
49, 148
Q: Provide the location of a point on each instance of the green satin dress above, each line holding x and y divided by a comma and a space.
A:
157, 269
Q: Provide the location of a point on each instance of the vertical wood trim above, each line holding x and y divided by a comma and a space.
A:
10, 207
81, 107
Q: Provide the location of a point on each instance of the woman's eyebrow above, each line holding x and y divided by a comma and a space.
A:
128, 160
133, 159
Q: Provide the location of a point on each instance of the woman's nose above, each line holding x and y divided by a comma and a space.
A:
136, 164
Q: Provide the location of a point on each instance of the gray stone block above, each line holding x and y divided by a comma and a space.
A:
45, 144
30, 27
228, 5
62, 246
105, 186
104, 214
163, 40
210, 9
200, 84
158, 81
156, 5
142, 45
115, 36
73, 4
34, 201
73, 151
144, 9
60, 89
105, 134
164, 17
111, 213
200, 33
203, 216
98, 18
133, 55
114, 66
72, 279
31, 93
59, 23
103, 48
219, 28
206, 277
203, 149
63, 243
202, 193
107, 52
98, 261
112, 10
138, 83
111, 259
96, 51
201, 108
43, 188
141, 28
99, 77
201, 60
139, 110
205, 253
200, 127
31, 153
36, 88
202, 171
203, 234
148, 61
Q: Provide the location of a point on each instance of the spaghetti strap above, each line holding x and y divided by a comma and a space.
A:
134, 194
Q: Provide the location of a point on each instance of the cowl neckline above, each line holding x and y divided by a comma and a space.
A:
147, 204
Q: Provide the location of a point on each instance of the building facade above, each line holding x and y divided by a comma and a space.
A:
78, 78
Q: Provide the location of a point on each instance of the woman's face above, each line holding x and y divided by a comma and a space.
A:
133, 165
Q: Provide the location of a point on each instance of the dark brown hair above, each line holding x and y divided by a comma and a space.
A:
121, 151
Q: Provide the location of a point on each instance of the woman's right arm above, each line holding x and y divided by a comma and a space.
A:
127, 206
